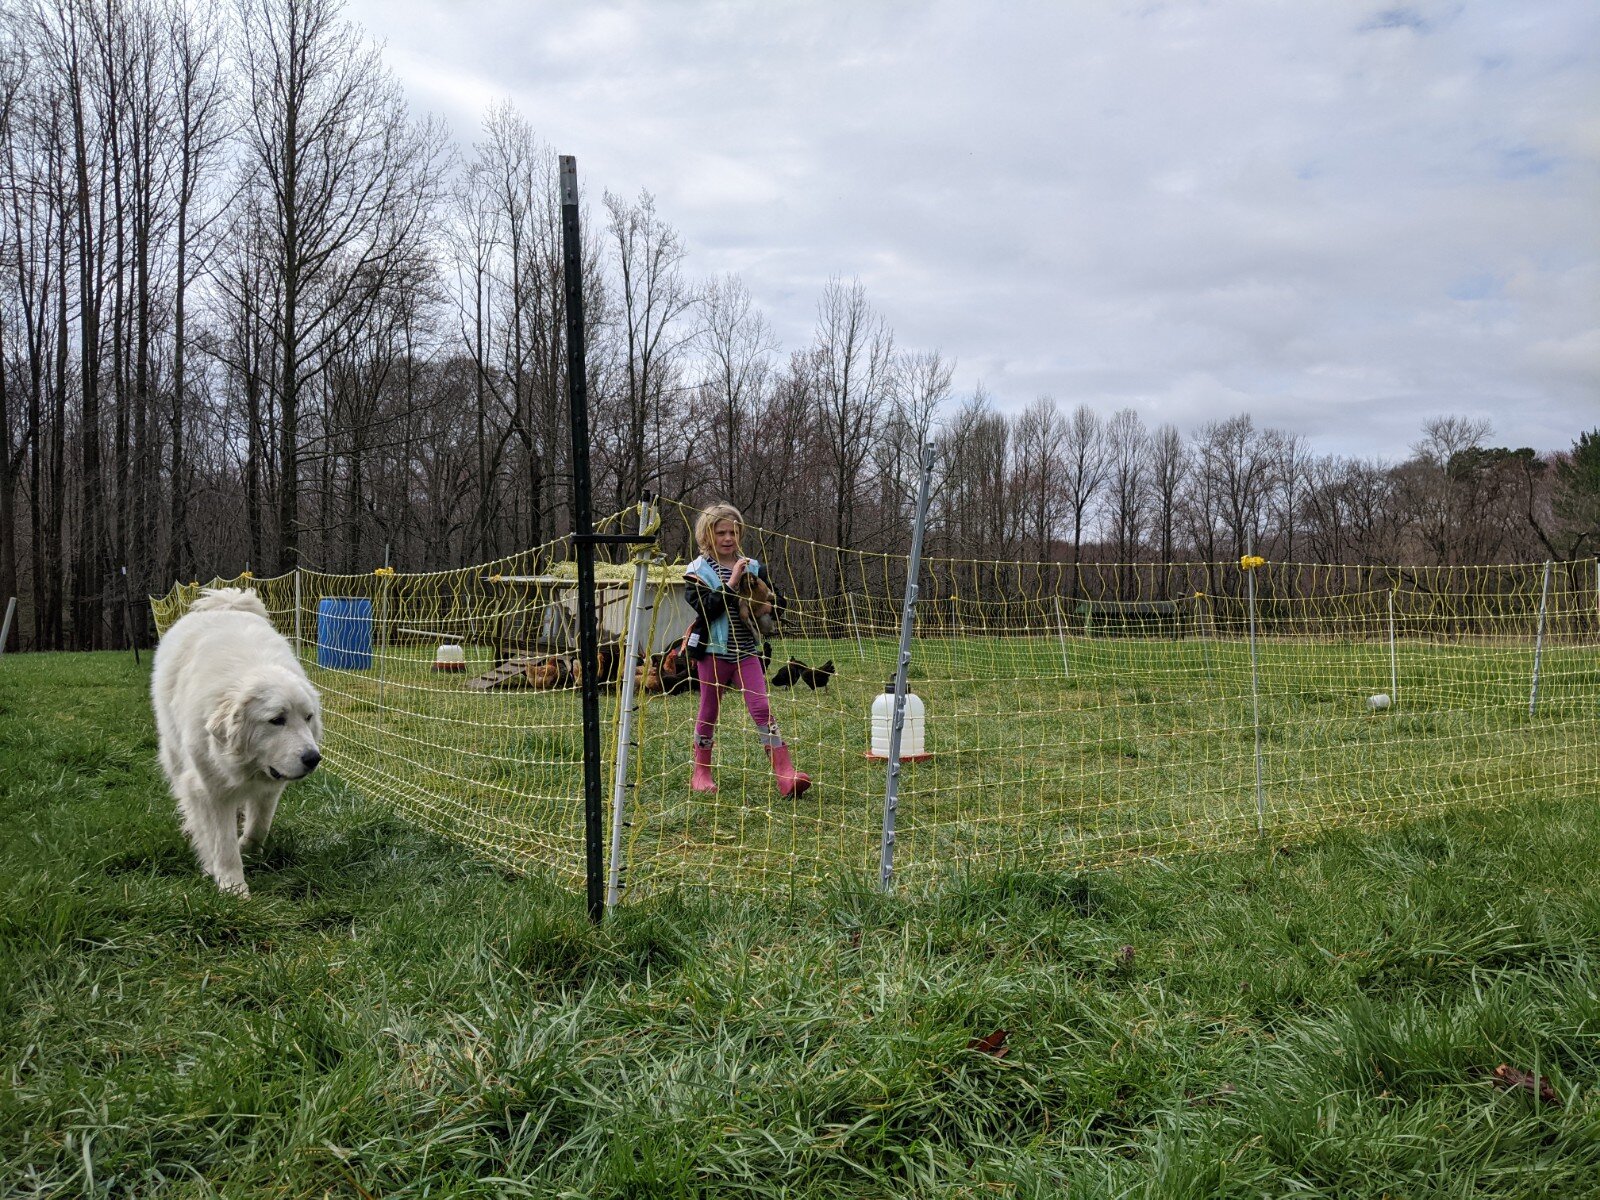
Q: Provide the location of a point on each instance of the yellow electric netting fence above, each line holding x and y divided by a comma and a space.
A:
451, 694
1066, 715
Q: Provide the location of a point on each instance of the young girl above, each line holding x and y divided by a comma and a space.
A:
730, 649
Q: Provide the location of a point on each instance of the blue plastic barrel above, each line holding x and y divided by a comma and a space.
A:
344, 633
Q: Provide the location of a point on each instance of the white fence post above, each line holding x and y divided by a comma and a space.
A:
1538, 639
1394, 661
855, 625
1061, 632
1249, 563
632, 660
378, 635
891, 790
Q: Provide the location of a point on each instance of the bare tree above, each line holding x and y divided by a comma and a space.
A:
1127, 465
785, 434
1348, 511
1291, 462
1083, 475
1238, 465
1573, 525
920, 388
347, 183
1452, 491
372, 414
470, 233
978, 509
738, 347
1323, 508
18, 303
654, 300
1201, 511
1039, 438
199, 131
43, 224
1169, 468
65, 38
135, 111
513, 323
854, 361
249, 292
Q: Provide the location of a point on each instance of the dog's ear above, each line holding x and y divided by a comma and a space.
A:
309, 702
226, 724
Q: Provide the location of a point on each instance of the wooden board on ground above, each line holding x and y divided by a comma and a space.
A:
509, 674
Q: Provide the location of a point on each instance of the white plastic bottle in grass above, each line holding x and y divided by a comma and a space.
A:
1379, 702
912, 737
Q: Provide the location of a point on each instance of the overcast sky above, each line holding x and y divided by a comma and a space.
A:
1341, 217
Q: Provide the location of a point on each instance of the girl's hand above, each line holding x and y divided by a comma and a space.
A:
735, 575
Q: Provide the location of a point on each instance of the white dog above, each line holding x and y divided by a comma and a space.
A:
237, 719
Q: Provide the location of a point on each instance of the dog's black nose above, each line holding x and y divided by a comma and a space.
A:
310, 758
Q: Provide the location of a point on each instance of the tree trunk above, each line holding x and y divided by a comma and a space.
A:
88, 573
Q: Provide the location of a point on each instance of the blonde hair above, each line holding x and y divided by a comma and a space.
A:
709, 519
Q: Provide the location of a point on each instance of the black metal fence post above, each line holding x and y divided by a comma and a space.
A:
583, 535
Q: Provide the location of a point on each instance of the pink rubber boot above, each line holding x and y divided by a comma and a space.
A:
790, 782
702, 781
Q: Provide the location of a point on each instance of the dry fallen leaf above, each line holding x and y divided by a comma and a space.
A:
1510, 1079
994, 1044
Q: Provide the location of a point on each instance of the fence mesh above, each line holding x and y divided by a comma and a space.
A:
487, 748
1075, 715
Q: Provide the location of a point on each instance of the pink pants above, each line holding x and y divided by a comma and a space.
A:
718, 674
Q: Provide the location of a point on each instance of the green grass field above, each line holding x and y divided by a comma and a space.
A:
391, 1016
1069, 754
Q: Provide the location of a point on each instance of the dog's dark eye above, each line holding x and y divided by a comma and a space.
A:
278, 720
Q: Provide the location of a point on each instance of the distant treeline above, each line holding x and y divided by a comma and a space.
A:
253, 312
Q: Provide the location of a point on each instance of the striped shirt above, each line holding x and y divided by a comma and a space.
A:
742, 640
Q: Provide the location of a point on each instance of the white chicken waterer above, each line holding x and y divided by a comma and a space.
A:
913, 736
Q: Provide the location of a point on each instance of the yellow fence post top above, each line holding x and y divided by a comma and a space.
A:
247, 575
383, 570
654, 523
1250, 562
644, 552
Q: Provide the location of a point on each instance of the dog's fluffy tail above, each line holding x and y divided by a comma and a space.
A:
229, 600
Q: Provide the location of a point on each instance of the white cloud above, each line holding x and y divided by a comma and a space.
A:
1342, 218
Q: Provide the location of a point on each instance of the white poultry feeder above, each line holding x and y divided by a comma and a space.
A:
449, 657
